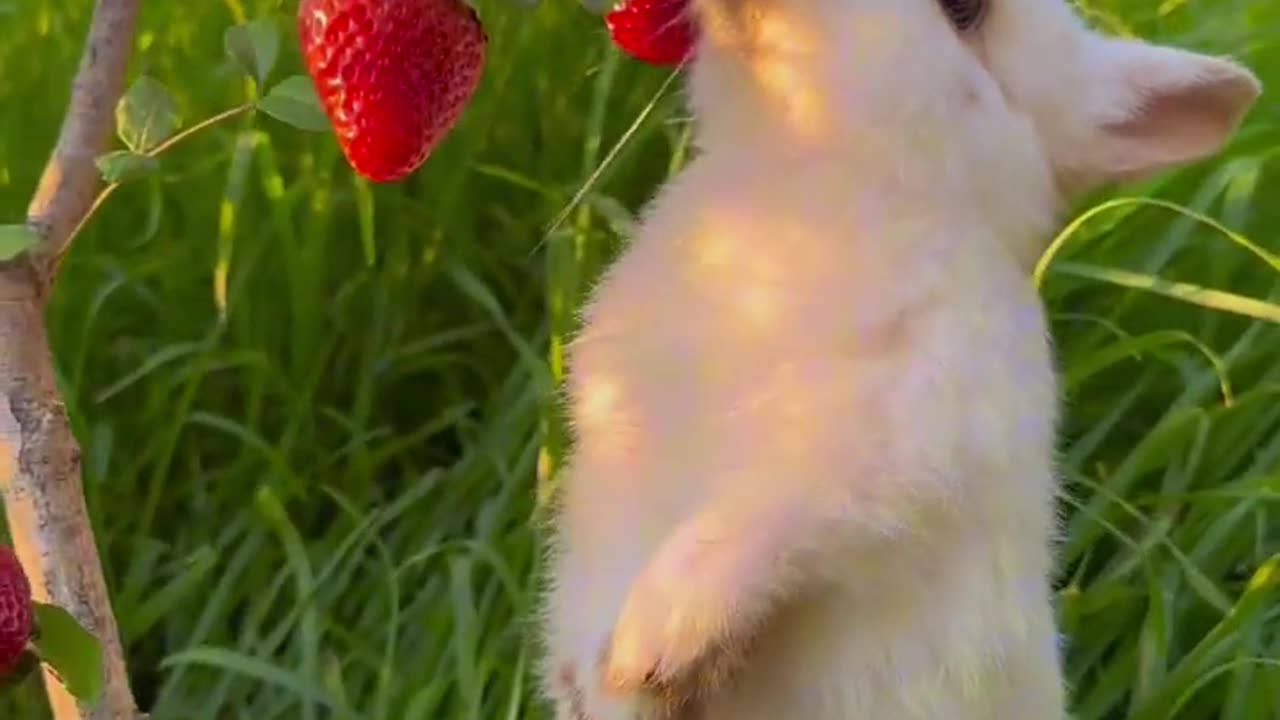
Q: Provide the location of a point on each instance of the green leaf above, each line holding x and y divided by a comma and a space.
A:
1209, 298
146, 115
261, 672
69, 650
294, 101
125, 165
254, 46
14, 239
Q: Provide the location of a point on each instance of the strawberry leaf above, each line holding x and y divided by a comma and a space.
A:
124, 165
16, 239
294, 101
146, 115
254, 46
70, 651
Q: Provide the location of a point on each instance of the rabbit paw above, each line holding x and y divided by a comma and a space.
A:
675, 637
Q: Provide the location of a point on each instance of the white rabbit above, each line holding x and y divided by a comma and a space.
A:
814, 401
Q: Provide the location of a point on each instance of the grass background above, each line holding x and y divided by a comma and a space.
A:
321, 505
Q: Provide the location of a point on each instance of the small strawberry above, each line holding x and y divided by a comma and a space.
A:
393, 75
659, 32
16, 617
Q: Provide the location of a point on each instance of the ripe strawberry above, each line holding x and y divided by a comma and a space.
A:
16, 617
659, 32
393, 75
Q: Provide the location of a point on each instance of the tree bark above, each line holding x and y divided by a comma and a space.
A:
40, 474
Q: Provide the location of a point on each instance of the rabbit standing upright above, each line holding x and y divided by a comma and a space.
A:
814, 401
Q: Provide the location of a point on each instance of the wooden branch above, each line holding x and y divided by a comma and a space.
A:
39, 457
70, 180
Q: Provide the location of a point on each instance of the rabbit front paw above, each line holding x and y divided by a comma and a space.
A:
677, 635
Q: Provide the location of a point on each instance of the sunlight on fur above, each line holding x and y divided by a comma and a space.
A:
780, 49
751, 278
600, 413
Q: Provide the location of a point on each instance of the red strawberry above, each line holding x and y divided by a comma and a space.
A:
659, 32
16, 617
394, 75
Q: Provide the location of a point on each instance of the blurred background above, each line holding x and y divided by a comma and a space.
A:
324, 502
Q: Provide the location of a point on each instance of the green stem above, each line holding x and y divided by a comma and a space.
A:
152, 153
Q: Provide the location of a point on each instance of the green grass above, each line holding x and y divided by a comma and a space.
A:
322, 506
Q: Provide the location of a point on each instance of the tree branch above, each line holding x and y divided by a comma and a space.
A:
70, 180
39, 456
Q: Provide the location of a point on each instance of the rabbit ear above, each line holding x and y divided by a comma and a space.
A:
1154, 107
